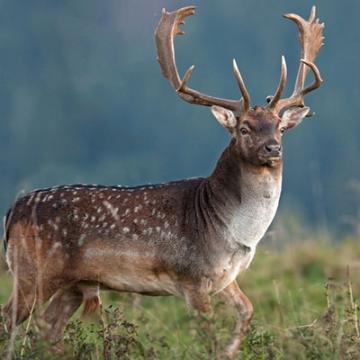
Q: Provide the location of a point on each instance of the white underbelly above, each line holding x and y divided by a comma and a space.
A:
151, 285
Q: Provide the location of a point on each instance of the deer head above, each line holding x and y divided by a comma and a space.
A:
256, 130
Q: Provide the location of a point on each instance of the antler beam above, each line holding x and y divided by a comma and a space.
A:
167, 29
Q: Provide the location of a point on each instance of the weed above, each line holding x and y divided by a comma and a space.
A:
306, 307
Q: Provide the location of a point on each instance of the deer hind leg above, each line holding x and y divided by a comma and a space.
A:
25, 297
236, 298
55, 318
32, 283
19, 306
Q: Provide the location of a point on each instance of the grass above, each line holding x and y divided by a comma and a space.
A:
305, 296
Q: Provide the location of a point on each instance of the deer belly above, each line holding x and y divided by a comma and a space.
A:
129, 271
145, 283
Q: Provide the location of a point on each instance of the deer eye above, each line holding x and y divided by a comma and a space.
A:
282, 130
244, 131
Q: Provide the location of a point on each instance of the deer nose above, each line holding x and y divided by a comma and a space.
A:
273, 149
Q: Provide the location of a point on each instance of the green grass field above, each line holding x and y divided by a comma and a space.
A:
306, 307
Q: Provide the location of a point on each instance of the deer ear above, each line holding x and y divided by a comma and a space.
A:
294, 116
225, 117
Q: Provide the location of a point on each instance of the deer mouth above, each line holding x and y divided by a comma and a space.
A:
270, 160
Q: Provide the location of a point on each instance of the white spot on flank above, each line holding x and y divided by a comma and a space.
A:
76, 200
93, 218
53, 225
137, 208
134, 237
81, 239
166, 225
57, 245
125, 230
158, 229
113, 210
112, 226
160, 215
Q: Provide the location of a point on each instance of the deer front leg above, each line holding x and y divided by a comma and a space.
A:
197, 295
236, 298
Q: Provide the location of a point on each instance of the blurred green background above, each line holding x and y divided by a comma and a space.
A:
83, 100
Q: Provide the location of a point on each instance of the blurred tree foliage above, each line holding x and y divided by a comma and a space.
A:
82, 98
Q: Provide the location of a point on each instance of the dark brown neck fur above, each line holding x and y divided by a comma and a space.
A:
223, 187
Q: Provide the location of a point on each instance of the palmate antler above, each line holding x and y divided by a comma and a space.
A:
167, 29
311, 40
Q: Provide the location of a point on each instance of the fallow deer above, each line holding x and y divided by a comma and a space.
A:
188, 238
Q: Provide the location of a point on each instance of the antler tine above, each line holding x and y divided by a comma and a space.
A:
311, 40
318, 80
274, 100
244, 92
167, 29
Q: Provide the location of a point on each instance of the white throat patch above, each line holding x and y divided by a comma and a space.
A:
259, 201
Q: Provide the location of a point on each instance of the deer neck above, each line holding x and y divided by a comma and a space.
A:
243, 198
